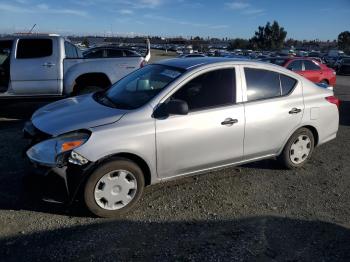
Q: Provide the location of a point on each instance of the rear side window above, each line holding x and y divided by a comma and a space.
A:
34, 48
264, 84
94, 54
114, 53
310, 65
296, 65
212, 89
71, 51
129, 53
287, 84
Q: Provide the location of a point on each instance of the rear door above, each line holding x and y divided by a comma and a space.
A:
35, 67
273, 109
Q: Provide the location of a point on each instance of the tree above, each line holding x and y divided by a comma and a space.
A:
269, 36
85, 42
239, 43
344, 41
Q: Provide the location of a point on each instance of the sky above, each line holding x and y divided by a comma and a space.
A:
302, 19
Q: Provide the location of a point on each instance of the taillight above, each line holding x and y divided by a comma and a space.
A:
333, 100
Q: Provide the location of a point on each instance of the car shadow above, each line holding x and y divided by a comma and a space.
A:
270, 164
262, 238
344, 113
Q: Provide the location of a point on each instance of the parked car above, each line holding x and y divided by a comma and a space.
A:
49, 65
109, 52
175, 118
309, 68
342, 65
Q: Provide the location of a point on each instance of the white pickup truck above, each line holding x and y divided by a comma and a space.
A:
50, 65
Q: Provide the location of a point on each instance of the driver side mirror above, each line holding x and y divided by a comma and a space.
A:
173, 107
177, 107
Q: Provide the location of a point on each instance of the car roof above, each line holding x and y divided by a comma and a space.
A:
192, 62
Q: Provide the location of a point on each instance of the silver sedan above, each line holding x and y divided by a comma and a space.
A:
175, 118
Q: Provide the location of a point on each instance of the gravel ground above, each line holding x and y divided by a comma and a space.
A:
255, 212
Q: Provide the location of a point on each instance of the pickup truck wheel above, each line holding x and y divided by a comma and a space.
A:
114, 188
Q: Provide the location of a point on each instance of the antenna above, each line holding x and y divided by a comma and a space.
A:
30, 31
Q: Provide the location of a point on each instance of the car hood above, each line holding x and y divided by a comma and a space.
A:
74, 113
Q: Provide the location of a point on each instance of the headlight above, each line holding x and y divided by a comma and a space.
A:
52, 152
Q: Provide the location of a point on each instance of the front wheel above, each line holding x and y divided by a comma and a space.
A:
114, 188
298, 149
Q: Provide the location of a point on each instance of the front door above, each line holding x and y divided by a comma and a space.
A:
35, 67
210, 135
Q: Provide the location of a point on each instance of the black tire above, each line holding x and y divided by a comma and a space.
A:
115, 164
285, 158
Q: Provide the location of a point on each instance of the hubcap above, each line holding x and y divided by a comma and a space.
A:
300, 149
115, 189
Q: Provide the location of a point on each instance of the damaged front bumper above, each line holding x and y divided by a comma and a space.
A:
60, 176
60, 184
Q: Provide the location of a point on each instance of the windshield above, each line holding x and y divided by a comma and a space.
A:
141, 86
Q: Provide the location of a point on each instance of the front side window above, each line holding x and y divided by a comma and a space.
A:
264, 84
212, 89
34, 48
310, 65
296, 65
139, 87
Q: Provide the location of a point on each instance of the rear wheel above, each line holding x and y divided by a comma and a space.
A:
114, 188
298, 149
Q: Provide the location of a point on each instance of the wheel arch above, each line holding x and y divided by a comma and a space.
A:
313, 130
91, 78
314, 133
133, 157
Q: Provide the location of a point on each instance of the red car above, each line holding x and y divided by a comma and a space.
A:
307, 67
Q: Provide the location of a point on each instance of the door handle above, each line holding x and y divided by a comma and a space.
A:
294, 110
229, 122
48, 64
